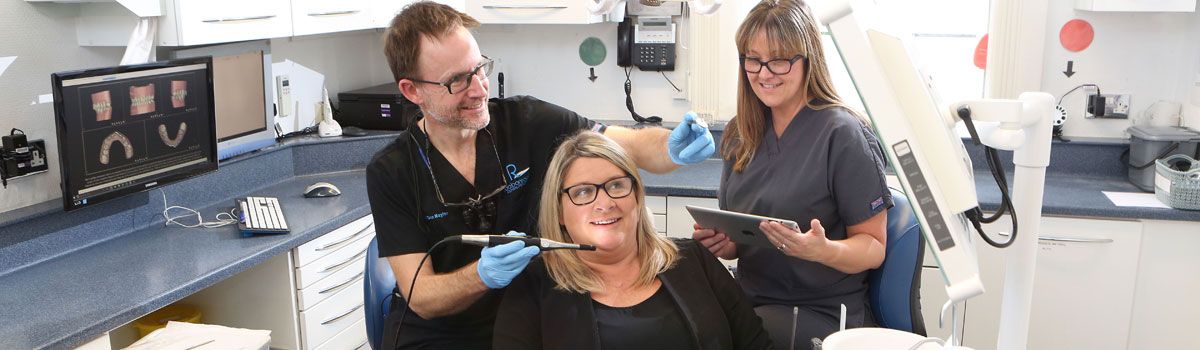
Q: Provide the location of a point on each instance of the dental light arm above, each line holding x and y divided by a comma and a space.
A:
934, 168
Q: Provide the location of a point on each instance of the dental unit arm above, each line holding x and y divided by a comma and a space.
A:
934, 169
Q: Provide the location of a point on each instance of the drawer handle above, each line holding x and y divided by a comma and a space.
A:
1066, 239
343, 315
343, 284
347, 261
334, 13
238, 19
523, 7
1075, 240
347, 239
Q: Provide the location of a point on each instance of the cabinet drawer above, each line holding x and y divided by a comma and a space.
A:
340, 237
328, 286
214, 21
657, 205
322, 322
352, 254
353, 337
322, 16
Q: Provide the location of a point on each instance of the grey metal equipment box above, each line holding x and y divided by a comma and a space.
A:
1150, 143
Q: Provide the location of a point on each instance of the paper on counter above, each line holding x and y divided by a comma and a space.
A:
5, 62
1134, 199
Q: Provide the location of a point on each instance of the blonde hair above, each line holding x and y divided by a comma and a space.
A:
655, 252
791, 30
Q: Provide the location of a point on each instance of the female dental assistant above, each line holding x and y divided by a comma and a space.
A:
795, 151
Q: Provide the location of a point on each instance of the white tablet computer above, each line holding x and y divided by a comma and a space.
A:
741, 228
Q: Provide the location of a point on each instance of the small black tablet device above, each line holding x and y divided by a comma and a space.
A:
741, 228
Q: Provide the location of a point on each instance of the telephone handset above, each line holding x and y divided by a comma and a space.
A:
649, 44
624, 41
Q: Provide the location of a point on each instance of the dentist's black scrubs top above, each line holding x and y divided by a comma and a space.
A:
827, 165
409, 218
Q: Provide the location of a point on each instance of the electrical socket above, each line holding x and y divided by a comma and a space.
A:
1107, 106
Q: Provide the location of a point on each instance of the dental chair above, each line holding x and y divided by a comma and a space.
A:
377, 293
894, 289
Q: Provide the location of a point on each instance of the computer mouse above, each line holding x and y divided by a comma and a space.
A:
321, 189
353, 131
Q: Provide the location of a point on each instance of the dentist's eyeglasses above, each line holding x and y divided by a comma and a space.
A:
462, 81
584, 194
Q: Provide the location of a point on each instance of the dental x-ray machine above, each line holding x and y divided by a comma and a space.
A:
935, 171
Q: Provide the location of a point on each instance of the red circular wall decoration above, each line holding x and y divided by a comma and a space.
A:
981, 52
1076, 35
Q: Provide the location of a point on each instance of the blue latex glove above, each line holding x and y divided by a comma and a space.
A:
500, 264
690, 142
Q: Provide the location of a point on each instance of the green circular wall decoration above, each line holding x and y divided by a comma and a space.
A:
592, 51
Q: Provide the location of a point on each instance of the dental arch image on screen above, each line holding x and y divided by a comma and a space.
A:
118, 134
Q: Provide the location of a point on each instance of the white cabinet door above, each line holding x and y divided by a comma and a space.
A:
1137, 6
1165, 308
218, 21
532, 11
1084, 284
679, 222
383, 11
658, 210
328, 16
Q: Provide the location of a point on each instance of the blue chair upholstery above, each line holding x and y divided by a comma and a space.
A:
894, 288
377, 293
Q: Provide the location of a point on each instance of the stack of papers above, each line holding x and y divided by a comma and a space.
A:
189, 336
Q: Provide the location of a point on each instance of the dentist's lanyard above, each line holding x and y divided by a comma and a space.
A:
437, 189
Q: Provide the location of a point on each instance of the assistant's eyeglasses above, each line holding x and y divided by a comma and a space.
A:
779, 66
479, 212
461, 82
584, 194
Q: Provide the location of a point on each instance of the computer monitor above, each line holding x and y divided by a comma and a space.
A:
244, 94
127, 129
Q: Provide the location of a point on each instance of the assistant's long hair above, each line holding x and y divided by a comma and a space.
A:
791, 30
655, 252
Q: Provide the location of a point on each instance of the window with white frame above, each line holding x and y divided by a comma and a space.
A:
944, 36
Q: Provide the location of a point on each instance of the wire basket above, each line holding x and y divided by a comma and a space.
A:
1179, 189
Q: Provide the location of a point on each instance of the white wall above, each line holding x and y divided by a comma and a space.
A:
349, 61
542, 60
1153, 56
42, 37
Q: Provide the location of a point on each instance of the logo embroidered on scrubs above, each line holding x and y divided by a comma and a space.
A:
516, 179
436, 216
878, 202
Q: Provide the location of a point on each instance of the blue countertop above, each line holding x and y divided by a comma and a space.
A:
1065, 194
66, 278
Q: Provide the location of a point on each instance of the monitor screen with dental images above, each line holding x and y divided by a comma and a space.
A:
128, 129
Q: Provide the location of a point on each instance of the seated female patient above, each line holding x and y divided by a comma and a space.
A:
637, 290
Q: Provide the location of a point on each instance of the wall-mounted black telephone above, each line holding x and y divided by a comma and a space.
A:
648, 44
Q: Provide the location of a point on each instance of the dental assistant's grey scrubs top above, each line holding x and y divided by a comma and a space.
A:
826, 165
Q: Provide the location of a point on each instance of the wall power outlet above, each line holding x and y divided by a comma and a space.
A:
1109, 106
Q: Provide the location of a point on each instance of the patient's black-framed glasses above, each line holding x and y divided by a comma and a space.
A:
584, 194
461, 82
778, 66
479, 212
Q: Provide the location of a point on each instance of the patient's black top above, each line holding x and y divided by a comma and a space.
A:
652, 324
